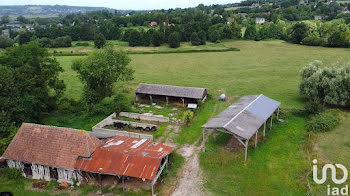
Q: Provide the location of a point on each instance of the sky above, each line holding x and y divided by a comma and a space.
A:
121, 4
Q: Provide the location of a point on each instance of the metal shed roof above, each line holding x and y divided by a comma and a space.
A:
244, 117
171, 91
127, 156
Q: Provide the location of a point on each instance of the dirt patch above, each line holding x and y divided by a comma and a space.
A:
191, 181
233, 143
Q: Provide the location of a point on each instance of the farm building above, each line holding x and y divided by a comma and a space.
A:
244, 118
63, 154
126, 156
175, 94
49, 153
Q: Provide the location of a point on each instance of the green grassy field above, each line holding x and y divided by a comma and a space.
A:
268, 67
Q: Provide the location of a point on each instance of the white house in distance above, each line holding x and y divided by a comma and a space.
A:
259, 20
318, 17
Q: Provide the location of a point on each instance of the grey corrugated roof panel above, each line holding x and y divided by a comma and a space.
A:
221, 119
263, 107
245, 124
171, 91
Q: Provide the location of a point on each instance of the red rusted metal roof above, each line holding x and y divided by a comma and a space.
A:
120, 155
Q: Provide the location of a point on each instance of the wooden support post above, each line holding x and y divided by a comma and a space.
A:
167, 99
264, 128
278, 112
100, 180
271, 122
152, 190
123, 184
256, 138
203, 140
246, 150
167, 160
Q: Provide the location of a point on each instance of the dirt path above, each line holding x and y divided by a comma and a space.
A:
191, 181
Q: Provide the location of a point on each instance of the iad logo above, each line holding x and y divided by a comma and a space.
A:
333, 169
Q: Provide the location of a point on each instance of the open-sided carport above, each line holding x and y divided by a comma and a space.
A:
244, 118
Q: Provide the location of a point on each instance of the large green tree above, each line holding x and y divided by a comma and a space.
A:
100, 70
29, 83
299, 32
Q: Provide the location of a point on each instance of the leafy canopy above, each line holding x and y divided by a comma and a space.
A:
100, 70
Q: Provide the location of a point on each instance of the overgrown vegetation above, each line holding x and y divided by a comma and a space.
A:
324, 121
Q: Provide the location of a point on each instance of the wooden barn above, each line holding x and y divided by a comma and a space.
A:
167, 93
63, 154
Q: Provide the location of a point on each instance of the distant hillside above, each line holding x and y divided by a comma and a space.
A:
47, 10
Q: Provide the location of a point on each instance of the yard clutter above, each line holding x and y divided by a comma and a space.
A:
74, 156
244, 118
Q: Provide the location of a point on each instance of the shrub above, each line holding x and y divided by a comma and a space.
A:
187, 116
195, 41
313, 107
5, 42
82, 44
99, 40
324, 121
329, 84
203, 37
174, 40
12, 173
314, 41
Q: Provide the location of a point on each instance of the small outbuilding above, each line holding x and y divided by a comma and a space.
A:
243, 119
167, 93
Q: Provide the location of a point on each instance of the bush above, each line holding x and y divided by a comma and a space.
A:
313, 107
324, 121
12, 173
187, 116
203, 37
174, 40
62, 42
5, 42
327, 84
99, 40
82, 44
195, 41
314, 41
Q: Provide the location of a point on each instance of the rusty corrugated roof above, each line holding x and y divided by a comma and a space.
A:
52, 146
120, 155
